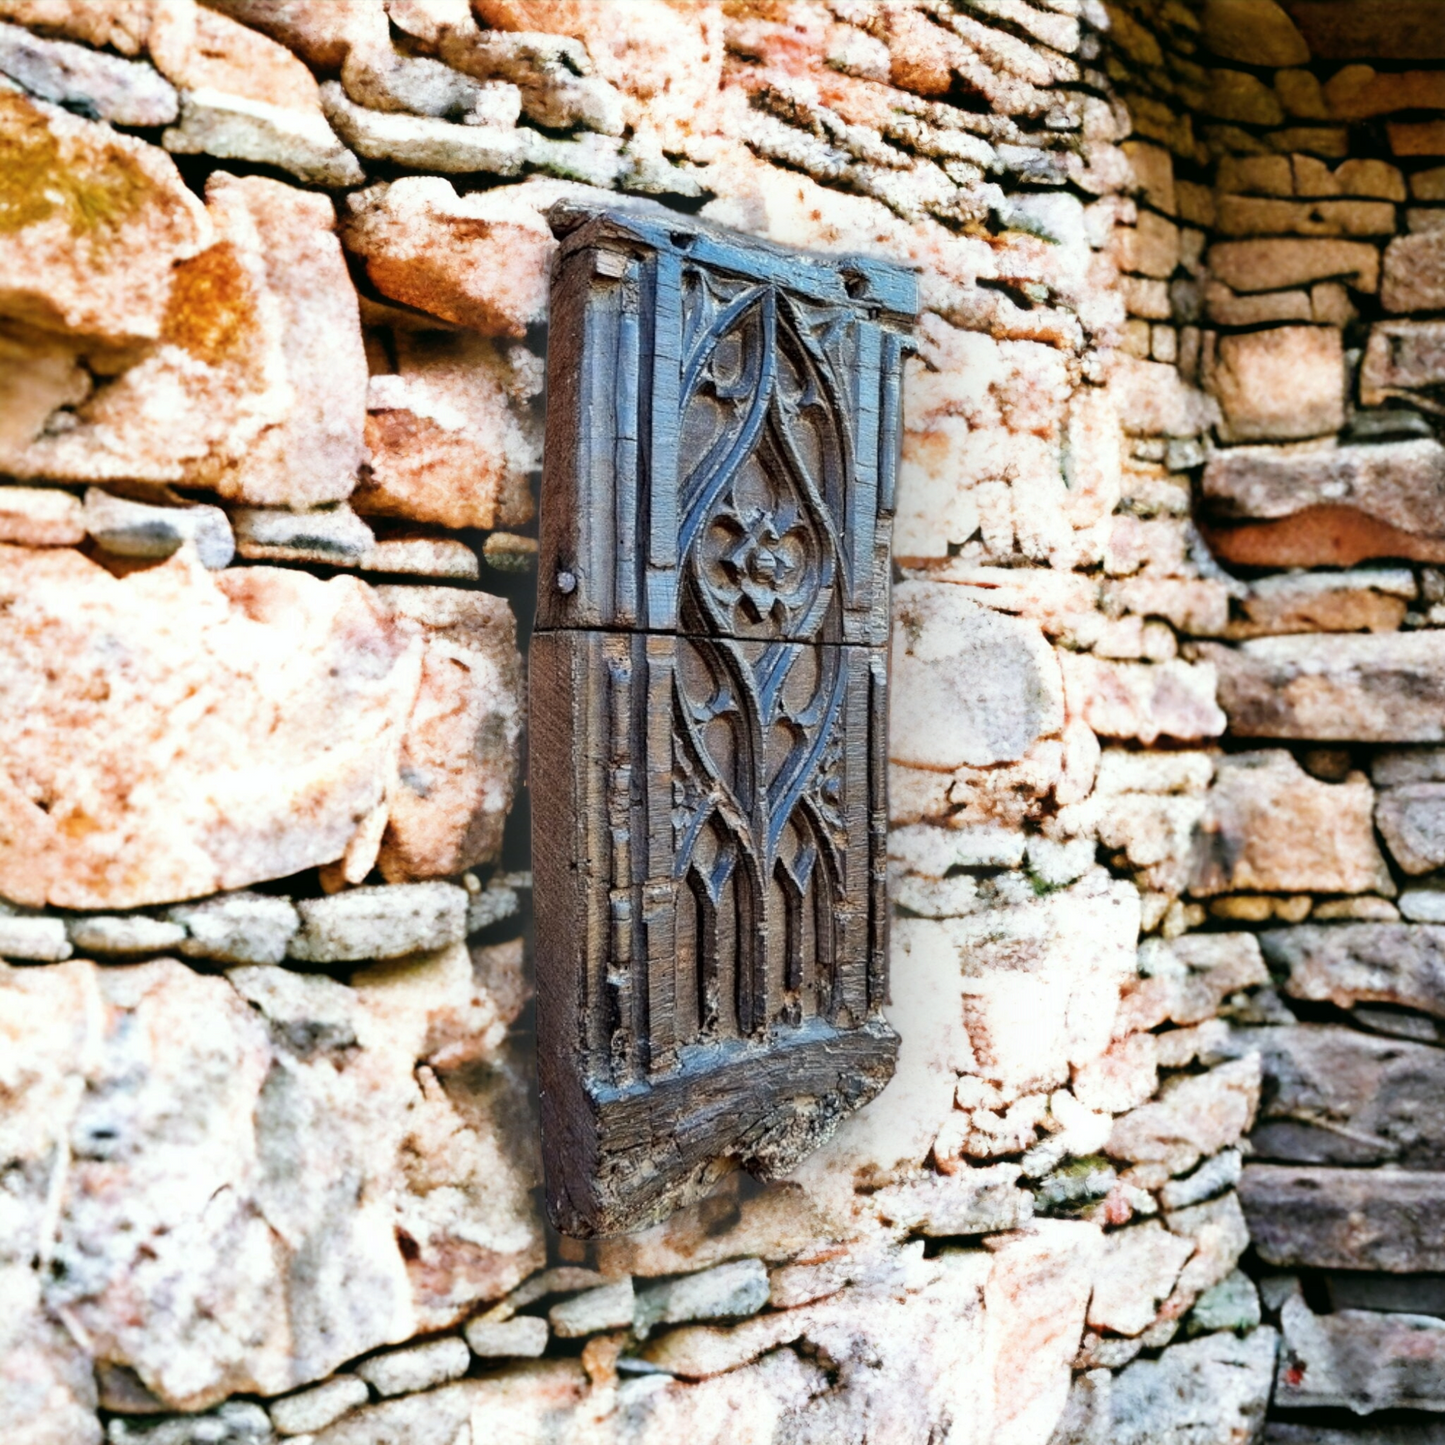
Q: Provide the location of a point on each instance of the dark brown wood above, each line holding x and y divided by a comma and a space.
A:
708, 707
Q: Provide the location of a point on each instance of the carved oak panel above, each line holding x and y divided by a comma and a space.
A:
709, 679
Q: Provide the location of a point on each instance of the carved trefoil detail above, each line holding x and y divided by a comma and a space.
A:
709, 688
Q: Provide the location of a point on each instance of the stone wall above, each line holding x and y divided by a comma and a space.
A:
273, 283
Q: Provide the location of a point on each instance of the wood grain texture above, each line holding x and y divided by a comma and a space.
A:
709, 704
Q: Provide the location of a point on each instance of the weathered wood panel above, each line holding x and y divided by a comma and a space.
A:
709, 688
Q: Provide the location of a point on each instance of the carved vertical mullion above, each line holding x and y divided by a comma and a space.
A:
659, 901
662, 418
862, 499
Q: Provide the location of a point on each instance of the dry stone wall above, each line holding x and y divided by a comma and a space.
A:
273, 283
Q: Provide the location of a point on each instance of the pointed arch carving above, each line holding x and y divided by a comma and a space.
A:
708, 690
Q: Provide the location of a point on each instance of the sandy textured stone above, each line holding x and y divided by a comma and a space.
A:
1402, 483
137, 529
1361, 1361
1035, 1299
457, 769
727, 1291
416, 1367
1371, 599
1211, 1391
1269, 826
1402, 357
1386, 688
258, 389
379, 922
524, 1337
424, 143
385, 78
237, 928
667, 61
479, 260
1412, 821
1357, 1219
1281, 384
322, 35
1258, 32
1415, 273
447, 436
95, 222
84, 81
969, 686
127, 26
1035, 999
1184, 980
1195, 1115
134, 933
1142, 700
41, 939
329, 535
1154, 400
968, 1201
1137, 1269
235, 677
218, 54
609, 1306
1214, 1175
1322, 536
1396, 963
41, 517
47, 1387
318, 1407
237, 1422
1337, 1096
238, 128
209, 1232
1274, 264
552, 73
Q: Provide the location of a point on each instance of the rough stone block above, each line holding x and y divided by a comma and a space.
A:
1337, 1096
1214, 1390
1359, 1360
1282, 384
1360, 1219
478, 260
1415, 273
318, 1407
414, 1368
85, 81
380, 922
727, 1291
608, 1307
41, 517
1368, 600
1270, 827
1194, 1116
1276, 263
1401, 483
1402, 357
1412, 821
447, 439
1257, 32
136, 529
1347, 963
1142, 700
234, 1134
295, 691
237, 928
1417, 137
522, 1338
1384, 688
61, 270
970, 686
1137, 1269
